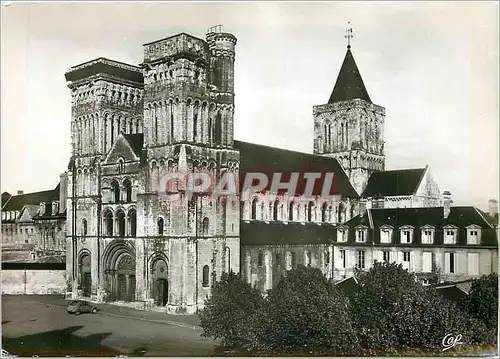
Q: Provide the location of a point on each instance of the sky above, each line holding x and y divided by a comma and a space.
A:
433, 66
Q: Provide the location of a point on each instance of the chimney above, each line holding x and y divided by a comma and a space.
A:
493, 207
446, 203
19, 192
63, 191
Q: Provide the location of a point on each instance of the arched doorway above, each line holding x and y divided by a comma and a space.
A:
119, 271
125, 277
85, 274
159, 281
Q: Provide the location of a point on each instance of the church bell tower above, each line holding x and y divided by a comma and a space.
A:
350, 127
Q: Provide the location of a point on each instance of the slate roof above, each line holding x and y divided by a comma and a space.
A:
262, 233
394, 183
460, 217
269, 160
5, 198
136, 141
17, 202
349, 84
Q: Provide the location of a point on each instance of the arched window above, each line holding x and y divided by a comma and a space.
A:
254, 208
195, 125
210, 130
206, 278
160, 224
262, 210
323, 212
310, 211
290, 211
115, 187
108, 217
275, 210
341, 213
132, 219
205, 225
218, 129
171, 124
84, 227
120, 218
128, 190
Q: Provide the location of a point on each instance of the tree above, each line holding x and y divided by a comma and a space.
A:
230, 311
393, 310
482, 302
307, 314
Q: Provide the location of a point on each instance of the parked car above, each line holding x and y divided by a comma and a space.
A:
81, 306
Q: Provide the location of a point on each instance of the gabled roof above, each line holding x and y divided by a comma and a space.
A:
261, 233
349, 84
460, 217
17, 202
394, 183
270, 160
136, 142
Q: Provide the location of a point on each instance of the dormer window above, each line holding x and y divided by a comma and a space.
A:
41, 210
473, 234
342, 234
3, 216
55, 208
427, 235
450, 235
385, 234
406, 234
361, 234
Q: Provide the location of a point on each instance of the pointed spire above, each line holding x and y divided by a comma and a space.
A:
349, 83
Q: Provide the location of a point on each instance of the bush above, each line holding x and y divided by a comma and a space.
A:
306, 314
230, 311
482, 302
392, 310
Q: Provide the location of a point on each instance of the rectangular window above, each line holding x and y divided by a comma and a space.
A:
406, 236
450, 262
473, 263
360, 235
342, 258
260, 259
385, 236
427, 236
342, 235
361, 259
449, 237
473, 236
386, 256
327, 257
406, 260
278, 259
427, 262
294, 259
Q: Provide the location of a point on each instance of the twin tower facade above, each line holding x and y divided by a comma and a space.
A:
132, 125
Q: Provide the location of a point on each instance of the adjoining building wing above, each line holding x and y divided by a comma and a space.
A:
413, 187
394, 183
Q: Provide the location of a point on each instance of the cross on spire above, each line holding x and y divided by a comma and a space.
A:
349, 35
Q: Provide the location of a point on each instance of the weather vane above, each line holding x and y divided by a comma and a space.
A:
349, 35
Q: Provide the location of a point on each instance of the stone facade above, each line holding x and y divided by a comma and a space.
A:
128, 243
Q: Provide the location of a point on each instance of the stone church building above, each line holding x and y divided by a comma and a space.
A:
129, 243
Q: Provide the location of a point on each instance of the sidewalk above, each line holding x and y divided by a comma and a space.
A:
188, 321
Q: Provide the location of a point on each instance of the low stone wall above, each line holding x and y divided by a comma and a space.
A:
32, 281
